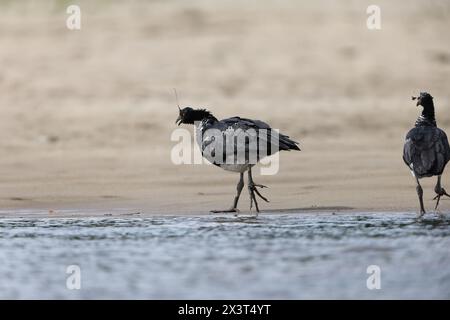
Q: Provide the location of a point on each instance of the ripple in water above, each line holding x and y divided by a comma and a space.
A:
282, 256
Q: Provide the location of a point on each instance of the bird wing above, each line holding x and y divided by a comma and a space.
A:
231, 128
284, 142
426, 151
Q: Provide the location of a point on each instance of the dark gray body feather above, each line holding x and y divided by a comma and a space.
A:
230, 125
285, 143
426, 150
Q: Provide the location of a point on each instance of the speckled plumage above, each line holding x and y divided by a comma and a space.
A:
230, 128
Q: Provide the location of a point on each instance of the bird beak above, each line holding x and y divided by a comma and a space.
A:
178, 121
418, 100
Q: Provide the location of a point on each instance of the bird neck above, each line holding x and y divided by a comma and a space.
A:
428, 111
427, 117
202, 115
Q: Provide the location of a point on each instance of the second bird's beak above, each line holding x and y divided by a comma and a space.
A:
178, 121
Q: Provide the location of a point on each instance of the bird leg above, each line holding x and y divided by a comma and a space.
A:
252, 190
420, 195
239, 188
439, 191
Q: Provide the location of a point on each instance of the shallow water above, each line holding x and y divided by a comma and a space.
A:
291, 256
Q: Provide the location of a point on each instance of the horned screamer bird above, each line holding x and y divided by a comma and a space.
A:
251, 140
426, 150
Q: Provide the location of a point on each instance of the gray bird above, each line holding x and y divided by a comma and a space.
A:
213, 136
426, 150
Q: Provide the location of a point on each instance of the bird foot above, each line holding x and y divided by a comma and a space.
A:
439, 213
252, 190
259, 185
440, 193
421, 214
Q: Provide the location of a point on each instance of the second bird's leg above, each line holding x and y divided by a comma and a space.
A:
420, 195
252, 190
239, 188
439, 191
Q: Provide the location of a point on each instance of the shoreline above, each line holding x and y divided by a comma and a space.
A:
135, 213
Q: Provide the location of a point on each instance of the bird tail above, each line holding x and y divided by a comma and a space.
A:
287, 143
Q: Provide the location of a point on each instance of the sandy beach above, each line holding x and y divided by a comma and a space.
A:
87, 115
87, 118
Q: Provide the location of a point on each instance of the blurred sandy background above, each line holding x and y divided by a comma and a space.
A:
86, 116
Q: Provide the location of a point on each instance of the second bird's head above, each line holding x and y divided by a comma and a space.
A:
189, 115
424, 99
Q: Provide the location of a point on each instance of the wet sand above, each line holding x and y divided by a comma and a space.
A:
87, 115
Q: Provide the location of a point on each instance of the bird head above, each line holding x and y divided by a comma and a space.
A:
185, 115
189, 116
424, 99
